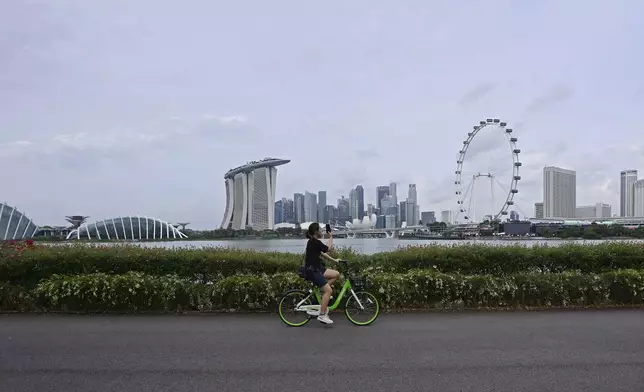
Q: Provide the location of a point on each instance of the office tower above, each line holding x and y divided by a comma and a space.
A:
344, 210
514, 216
380, 222
381, 192
250, 195
322, 217
446, 216
428, 217
310, 207
638, 198
626, 192
288, 213
298, 207
597, 210
332, 213
559, 192
402, 212
538, 210
390, 221
410, 211
278, 212
370, 209
360, 197
411, 193
388, 206
353, 204
393, 192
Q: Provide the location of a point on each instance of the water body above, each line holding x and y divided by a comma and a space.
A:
360, 245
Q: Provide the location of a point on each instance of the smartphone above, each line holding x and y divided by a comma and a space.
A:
328, 228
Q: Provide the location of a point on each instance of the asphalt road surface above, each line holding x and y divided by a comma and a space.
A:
516, 351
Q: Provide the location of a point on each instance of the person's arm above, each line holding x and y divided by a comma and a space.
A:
330, 242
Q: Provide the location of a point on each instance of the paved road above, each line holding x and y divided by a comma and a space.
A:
541, 351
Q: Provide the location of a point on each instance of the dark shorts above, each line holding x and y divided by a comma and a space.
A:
317, 277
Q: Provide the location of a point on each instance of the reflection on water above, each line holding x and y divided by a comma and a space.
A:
361, 245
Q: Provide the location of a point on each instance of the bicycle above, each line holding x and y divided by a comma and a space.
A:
307, 303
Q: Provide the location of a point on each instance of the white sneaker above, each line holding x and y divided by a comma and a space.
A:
324, 318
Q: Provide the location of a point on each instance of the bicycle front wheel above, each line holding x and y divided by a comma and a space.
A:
288, 308
364, 315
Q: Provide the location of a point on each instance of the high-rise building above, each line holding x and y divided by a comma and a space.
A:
389, 207
402, 212
559, 192
344, 213
393, 192
626, 192
360, 197
322, 217
514, 216
538, 210
410, 212
390, 221
447, 216
381, 192
428, 217
370, 209
288, 214
411, 193
250, 195
278, 212
310, 207
638, 198
298, 207
332, 213
353, 204
597, 210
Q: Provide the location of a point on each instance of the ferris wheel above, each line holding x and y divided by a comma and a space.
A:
466, 184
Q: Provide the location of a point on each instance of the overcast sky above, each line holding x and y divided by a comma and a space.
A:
120, 107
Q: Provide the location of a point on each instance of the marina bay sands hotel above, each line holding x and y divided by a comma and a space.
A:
250, 195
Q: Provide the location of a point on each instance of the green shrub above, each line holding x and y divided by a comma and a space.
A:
212, 264
417, 289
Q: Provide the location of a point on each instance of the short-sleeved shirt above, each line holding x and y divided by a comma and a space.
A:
314, 248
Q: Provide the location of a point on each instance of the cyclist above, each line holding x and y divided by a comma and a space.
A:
316, 272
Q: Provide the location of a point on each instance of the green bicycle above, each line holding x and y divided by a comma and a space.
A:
303, 305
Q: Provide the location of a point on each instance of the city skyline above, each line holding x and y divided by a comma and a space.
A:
146, 122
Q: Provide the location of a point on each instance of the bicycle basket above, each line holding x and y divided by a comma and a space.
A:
359, 282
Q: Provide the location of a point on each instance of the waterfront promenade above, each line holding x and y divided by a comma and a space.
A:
497, 351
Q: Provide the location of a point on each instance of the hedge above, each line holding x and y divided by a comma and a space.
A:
417, 289
210, 264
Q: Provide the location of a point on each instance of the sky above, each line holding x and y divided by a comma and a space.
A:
120, 107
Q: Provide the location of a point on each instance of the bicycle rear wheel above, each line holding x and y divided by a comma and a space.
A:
287, 308
365, 315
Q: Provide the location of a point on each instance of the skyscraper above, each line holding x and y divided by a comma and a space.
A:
310, 207
559, 192
288, 212
279, 214
381, 192
626, 193
402, 212
298, 207
322, 216
538, 210
410, 213
638, 198
353, 204
250, 195
360, 197
393, 192
344, 208
447, 216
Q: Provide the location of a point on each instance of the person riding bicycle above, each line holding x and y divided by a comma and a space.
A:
316, 272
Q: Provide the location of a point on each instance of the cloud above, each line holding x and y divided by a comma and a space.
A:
476, 94
367, 154
557, 94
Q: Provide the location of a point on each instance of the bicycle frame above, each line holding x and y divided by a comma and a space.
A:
346, 287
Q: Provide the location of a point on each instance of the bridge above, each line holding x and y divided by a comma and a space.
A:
389, 233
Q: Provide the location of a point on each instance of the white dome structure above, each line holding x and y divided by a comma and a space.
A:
368, 222
284, 225
127, 228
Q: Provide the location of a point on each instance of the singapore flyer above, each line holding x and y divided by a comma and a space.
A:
500, 184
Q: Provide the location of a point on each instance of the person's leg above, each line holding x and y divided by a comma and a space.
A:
331, 276
326, 295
